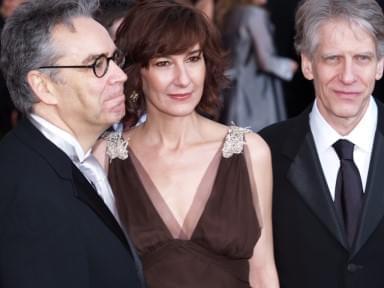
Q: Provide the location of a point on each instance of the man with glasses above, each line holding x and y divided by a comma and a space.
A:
58, 221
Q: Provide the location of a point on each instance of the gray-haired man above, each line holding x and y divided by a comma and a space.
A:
328, 206
58, 223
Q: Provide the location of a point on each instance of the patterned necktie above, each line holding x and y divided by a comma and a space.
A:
349, 190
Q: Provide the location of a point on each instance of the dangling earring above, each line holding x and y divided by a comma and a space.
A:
133, 97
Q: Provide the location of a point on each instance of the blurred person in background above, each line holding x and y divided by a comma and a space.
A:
8, 112
207, 6
111, 13
8, 6
255, 98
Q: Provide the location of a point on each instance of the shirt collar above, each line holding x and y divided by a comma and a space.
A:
362, 135
62, 139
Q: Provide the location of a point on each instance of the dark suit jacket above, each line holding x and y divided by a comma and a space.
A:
310, 245
55, 231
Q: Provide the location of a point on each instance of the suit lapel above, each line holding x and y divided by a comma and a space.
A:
373, 211
59, 161
86, 193
56, 159
306, 175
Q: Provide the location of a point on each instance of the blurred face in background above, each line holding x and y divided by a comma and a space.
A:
260, 2
112, 30
8, 6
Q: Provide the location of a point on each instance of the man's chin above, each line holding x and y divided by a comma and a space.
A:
119, 110
349, 113
118, 115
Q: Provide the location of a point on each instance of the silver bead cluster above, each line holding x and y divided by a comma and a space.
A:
234, 141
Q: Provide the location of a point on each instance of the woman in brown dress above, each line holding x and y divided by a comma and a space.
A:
194, 195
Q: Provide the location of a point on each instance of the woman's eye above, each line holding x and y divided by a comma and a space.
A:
194, 58
162, 63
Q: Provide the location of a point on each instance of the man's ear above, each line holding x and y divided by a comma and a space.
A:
379, 68
306, 67
42, 86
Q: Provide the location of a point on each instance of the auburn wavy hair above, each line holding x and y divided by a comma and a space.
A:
157, 28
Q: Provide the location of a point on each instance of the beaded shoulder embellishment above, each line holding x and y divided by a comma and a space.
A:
234, 141
117, 146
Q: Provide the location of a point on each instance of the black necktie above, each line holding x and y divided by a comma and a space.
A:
349, 190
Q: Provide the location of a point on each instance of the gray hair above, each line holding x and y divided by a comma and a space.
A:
27, 44
311, 14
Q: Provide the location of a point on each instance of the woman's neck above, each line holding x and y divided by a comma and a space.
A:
172, 133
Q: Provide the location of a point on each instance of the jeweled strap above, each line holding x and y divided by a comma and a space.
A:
117, 146
234, 141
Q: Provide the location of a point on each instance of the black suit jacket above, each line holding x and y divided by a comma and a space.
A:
310, 245
55, 231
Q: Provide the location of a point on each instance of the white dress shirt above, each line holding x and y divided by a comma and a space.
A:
85, 161
362, 136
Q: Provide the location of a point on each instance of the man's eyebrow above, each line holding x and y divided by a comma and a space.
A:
367, 53
91, 58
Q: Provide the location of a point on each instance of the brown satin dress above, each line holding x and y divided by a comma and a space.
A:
212, 247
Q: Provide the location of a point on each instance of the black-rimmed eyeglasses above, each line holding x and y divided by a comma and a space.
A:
99, 67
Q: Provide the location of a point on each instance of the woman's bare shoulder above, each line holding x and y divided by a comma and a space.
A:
258, 148
218, 128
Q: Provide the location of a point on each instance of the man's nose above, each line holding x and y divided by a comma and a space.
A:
347, 74
116, 73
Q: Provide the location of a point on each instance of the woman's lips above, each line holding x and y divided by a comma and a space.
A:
180, 96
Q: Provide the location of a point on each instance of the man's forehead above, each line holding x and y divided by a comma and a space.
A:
82, 37
342, 34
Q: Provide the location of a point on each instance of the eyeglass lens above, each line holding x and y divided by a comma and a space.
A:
101, 64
